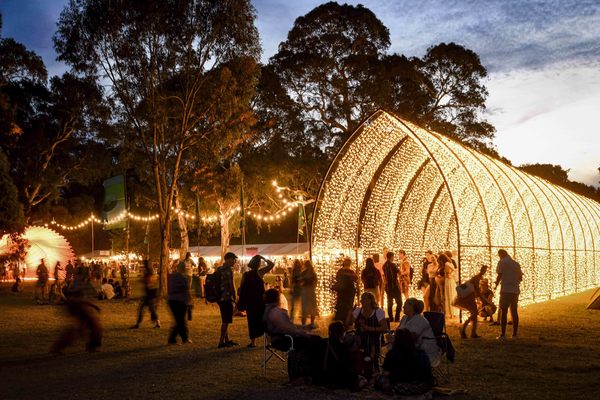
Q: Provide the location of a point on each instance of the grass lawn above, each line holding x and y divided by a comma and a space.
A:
557, 357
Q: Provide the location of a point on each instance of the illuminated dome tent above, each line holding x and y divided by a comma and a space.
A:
394, 185
43, 243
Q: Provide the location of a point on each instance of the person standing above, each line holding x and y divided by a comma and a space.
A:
179, 296
202, 271
449, 288
58, 275
405, 274
42, 283
345, 288
509, 275
296, 287
252, 290
188, 265
379, 267
227, 298
150, 296
371, 278
308, 294
392, 287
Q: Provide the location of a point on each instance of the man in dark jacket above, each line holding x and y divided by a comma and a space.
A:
392, 287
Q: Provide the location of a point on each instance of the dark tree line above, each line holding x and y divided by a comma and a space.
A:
171, 93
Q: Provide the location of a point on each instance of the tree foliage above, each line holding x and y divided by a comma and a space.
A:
165, 63
559, 176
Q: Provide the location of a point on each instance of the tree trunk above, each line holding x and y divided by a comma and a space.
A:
225, 232
183, 231
165, 233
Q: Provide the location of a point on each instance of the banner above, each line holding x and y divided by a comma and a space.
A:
114, 203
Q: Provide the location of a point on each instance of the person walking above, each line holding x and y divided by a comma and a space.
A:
150, 297
179, 296
251, 293
308, 294
392, 287
345, 288
86, 323
509, 275
188, 266
227, 298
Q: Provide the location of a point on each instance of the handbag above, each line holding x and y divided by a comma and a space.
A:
465, 289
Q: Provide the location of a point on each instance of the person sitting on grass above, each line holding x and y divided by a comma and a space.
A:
334, 369
415, 322
406, 368
107, 291
118, 290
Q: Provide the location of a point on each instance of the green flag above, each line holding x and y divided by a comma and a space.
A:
114, 210
301, 219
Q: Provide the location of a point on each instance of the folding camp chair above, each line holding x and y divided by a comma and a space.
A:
437, 320
279, 348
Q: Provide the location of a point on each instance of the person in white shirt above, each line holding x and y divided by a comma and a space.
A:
509, 276
415, 322
108, 291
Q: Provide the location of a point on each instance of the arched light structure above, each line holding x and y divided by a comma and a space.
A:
394, 185
43, 243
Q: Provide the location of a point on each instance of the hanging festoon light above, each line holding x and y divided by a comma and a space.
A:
394, 185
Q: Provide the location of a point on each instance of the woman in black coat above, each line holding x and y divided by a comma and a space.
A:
252, 290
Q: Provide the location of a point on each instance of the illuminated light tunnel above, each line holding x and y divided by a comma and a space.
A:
394, 185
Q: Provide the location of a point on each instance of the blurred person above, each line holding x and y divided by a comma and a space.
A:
278, 323
17, 287
42, 282
371, 278
149, 298
392, 287
227, 298
345, 288
179, 296
308, 280
415, 322
449, 287
86, 323
433, 298
509, 276
296, 286
251, 296
188, 265
69, 271
424, 281
58, 274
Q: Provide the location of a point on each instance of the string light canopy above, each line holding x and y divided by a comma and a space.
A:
394, 185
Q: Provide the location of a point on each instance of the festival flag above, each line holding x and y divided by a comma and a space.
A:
301, 219
114, 210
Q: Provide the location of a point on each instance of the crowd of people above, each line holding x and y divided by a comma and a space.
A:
353, 353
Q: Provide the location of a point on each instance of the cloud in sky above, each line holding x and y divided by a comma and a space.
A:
543, 58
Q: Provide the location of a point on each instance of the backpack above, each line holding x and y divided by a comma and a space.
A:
212, 287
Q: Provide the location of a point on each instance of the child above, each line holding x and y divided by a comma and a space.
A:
17, 287
486, 310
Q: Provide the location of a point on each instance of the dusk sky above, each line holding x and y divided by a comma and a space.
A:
543, 59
